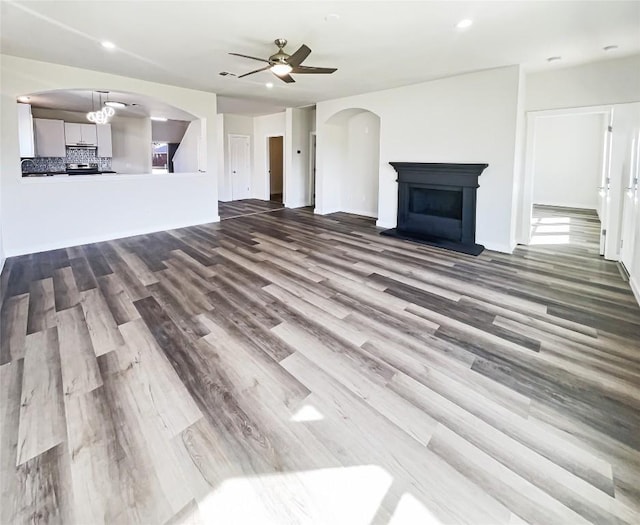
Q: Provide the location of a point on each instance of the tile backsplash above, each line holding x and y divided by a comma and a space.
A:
74, 156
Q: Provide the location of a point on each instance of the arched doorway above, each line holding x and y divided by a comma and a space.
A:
348, 159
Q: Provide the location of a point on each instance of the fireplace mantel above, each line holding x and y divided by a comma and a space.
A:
437, 204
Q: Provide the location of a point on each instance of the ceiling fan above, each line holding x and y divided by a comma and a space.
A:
281, 63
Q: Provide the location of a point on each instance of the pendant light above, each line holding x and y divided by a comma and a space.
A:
102, 115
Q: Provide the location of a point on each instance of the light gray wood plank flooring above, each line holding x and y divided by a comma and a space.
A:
281, 367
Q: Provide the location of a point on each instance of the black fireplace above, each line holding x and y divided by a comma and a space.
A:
437, 204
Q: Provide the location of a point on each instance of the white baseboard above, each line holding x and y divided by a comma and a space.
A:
497, 247
320, 211
635, 288
362, 213
293, 205
387, 225
56, 245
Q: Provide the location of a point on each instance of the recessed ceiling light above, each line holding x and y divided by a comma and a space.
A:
108, 45
114, 104
269, 85
553, 59
610, 48
159, 119
465, 23
24, 99
332, 17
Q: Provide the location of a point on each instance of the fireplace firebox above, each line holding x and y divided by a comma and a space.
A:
437, 204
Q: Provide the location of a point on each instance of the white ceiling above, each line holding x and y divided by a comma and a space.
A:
83, 100
374, 44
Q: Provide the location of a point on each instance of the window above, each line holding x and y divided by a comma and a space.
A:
160, 157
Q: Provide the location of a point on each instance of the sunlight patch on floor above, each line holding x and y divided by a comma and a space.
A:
410, 510
550, 230
346, 495
307, 413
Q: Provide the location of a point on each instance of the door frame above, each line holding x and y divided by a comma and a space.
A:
631, 197
268, 167
229, 174
532, 117
313, 144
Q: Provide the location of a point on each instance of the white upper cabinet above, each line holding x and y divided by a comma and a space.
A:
49, 138
89, 135
104, 140
25, 131
72, 133
80, 134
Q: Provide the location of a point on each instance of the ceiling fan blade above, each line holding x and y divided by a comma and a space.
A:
252, 58
255, 71
299, 56
285, 78
313, 70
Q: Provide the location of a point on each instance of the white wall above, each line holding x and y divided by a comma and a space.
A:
131, 145
233, 125
360, 191
568, 160
297, 180
470, 118
186, 159
595, 84
263, 127
41, 214
170, 131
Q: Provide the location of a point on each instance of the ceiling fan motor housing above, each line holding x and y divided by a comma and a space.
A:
280, 57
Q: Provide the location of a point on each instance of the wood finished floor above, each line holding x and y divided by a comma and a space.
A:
234, 209
289, 368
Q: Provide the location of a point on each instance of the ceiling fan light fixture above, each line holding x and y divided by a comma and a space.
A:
281, 69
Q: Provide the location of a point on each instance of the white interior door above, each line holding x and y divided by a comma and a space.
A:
605, 185
631, 206
239, 158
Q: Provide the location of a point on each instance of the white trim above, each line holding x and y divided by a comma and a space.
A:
362, 213
386, 225
312, 178
320, 211
300, 204
45, 247
230, 178
502, 248
635, 288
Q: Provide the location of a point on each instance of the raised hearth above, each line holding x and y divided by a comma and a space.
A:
437, 204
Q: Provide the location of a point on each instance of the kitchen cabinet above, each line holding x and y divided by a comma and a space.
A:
104, 140
49, 138
25, 131
80, 134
